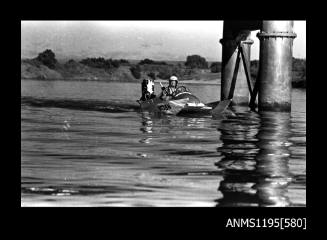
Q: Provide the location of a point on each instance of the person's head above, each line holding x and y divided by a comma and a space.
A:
173, 81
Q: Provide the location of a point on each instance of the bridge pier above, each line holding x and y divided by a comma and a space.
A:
276, 43
233, 66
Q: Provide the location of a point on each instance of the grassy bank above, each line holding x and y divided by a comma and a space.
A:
73, 70
46, 67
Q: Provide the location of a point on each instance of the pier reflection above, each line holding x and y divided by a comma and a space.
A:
255, 159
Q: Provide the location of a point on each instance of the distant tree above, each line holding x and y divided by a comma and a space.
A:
177, 71
188, 71
299, 67
149, 61
164, 73
215, 67
196, 61
48, 58
146, 61
100, 62
115, 63
152, 75
160, 63
94, 62
123, 61
71, 61
136, 71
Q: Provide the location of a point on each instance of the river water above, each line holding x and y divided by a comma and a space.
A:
87, 144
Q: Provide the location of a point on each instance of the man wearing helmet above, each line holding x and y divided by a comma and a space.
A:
168, 92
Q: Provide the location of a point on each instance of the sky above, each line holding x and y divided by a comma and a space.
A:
158, 40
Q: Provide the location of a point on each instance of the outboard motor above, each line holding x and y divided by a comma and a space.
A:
147, 89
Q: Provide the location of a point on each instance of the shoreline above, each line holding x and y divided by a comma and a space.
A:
295, 85
32, 69
194, 81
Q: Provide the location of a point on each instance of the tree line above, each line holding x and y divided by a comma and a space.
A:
164, 70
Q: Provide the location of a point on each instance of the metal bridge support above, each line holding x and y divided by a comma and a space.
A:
276, 43
232, 63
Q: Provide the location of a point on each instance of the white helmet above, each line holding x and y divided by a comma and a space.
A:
173, 78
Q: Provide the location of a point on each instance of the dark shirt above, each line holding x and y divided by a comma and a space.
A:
167, 92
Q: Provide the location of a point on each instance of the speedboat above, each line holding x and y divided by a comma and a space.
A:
182, 102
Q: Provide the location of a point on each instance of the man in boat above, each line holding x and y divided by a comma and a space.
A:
168, 92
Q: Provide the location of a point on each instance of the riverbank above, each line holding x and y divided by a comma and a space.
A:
108, 70
75, 71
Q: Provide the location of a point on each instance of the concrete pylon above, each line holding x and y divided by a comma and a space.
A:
232, 36
276, 52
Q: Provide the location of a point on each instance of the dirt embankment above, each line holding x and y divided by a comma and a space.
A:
72, 70
31, 69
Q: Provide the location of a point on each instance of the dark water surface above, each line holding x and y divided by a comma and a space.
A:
87, 144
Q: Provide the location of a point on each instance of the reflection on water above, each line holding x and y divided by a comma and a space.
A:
161, 123
255, 163
147, 123
272, 161
100, 150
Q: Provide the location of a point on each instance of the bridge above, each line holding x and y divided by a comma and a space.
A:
271, 90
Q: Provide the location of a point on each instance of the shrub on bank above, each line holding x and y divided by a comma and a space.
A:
152, 75
100, 62
47, 58
164, 74
136, 71
149, 61
215, 67
124, 61
196, 61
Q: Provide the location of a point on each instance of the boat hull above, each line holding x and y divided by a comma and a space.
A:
161, 106
175, 106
